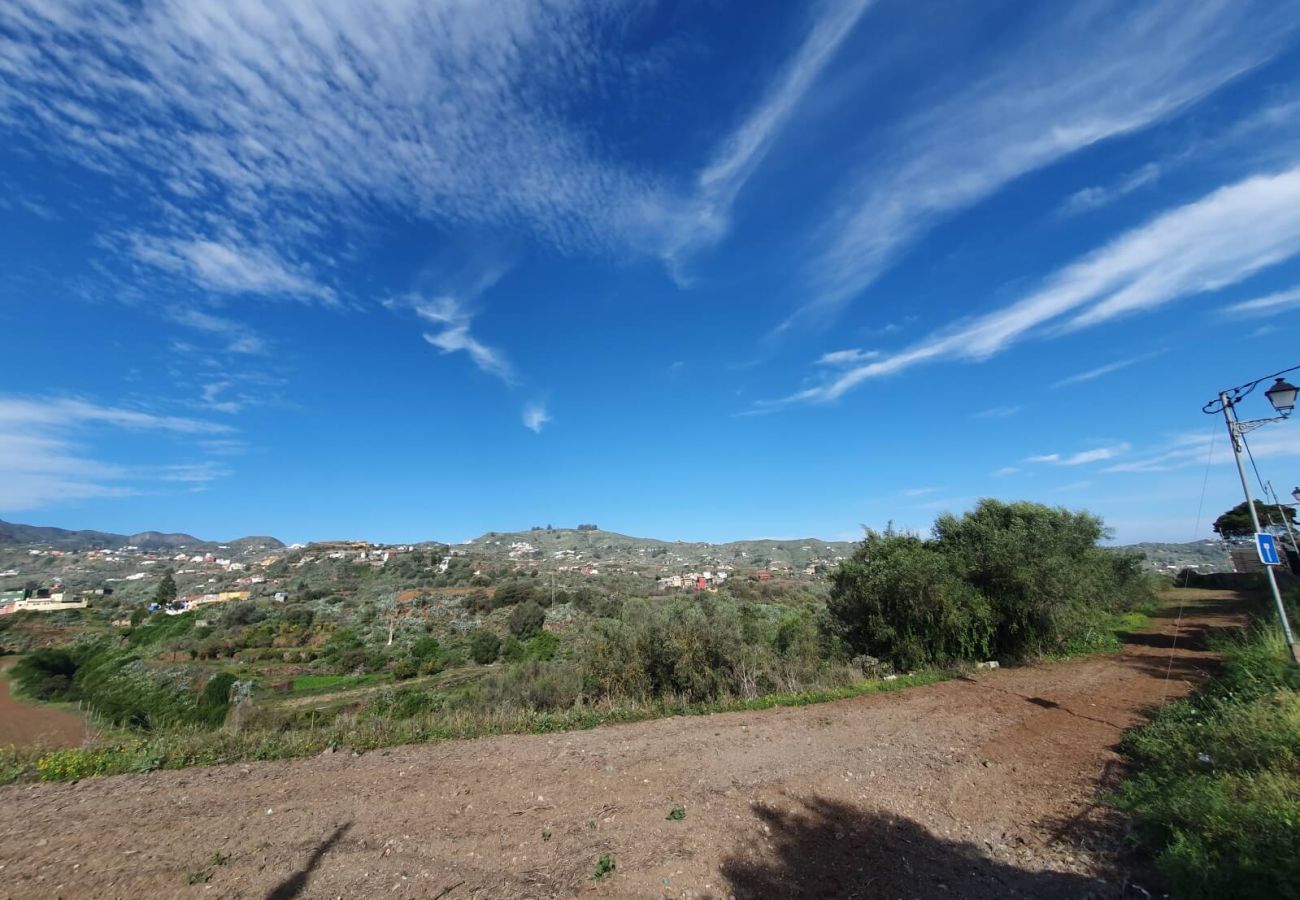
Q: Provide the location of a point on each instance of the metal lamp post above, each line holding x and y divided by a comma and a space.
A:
1282, 396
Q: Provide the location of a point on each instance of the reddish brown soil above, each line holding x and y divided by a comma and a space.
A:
25, 724
983, 787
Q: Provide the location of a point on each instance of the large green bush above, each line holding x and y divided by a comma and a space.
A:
484, 647
1007, 579
526, 620
1042, 570
901, 598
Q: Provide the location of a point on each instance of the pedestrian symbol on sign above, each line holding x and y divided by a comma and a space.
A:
1267, 547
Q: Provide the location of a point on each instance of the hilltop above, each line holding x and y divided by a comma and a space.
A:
64, 539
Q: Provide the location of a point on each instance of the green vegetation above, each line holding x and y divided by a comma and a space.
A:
1236, 523
1216, 783
676, 814
484, 647
358, 657
116, 686
604, 866
1005, 580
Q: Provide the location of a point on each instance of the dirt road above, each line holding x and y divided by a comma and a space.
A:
981, 787
25, 724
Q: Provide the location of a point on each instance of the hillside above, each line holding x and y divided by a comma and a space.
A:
64, 539
609, 546
1205, 556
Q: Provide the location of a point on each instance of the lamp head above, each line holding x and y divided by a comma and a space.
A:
1282, 395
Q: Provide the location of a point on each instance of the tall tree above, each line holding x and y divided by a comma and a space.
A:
166, 592
1235, 523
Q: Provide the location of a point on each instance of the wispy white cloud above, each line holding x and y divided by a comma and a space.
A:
1107, 369
702, 218
1096, 197
1095, 71
1178, 254
920, 492
842, 358
1187, 450
453, 334
20, 412
1266, 305
41, 462
239, 337
212, 398
1005, 471
1097, 454
535, 417
230, 269
300, 115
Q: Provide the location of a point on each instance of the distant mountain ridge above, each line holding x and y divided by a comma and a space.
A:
65, 539
588, 543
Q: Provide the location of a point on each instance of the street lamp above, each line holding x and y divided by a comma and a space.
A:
1282, 397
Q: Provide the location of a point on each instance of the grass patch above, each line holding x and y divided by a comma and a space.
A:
1107, 636
1215, 789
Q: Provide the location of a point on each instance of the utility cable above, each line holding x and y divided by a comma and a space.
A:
1200, 509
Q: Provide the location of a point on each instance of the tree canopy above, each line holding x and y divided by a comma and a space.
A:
1235, 523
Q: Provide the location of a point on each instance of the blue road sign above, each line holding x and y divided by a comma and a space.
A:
1267, 547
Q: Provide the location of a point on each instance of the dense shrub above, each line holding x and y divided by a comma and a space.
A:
426, 648
1011, 580
526, 620
693, 649
298, 615
1042, 571
513, 593
901, 598
484, 646
532, 685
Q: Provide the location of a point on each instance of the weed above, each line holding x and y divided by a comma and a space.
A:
204, 875
676, 814
604, 866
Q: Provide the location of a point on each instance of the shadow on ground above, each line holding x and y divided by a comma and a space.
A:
295, 884
831, 849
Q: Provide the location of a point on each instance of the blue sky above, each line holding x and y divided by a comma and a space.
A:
709, 270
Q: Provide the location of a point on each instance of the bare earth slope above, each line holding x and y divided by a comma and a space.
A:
981, 787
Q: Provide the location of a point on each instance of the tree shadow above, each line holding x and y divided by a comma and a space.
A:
294, 885
832, 849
